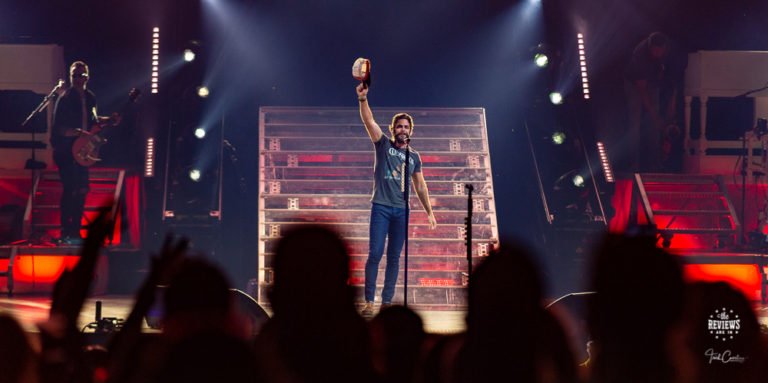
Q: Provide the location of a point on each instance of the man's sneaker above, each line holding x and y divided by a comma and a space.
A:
367, 311
385, 305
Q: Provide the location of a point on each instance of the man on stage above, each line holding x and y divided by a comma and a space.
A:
75, 112
388, 206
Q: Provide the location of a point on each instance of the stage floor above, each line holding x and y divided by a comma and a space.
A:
30, 310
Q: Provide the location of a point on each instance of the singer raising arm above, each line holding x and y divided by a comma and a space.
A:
374, 130
388, 223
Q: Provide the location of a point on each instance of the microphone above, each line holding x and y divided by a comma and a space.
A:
408, 140
54, 93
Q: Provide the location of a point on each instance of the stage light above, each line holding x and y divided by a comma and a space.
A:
541, 60
558, 138
155, 74
570, 200
556, 98
578, 181
195, 175
203, 91
604, 162
149, 158
200, 133
583, 65
189, 55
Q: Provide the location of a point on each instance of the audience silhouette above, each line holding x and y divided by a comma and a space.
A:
509, 334
645, 324
397, 339
18, 362
706, 353
638, 300
315, 333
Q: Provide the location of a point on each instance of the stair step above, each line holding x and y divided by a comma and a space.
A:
700, 231
110, 188
49, 226
678, 178
685, 193
691, 212
56, 207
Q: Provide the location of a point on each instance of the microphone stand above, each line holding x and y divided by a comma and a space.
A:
468, 230
406, 198
32, 164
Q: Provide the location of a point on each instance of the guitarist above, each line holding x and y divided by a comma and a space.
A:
75, 112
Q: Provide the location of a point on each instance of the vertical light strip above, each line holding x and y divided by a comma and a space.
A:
583, 66
155, 79
149, 158
604, 162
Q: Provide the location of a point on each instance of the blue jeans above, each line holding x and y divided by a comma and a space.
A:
385, 221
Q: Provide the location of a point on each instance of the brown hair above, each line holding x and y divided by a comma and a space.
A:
77, 64
400, 116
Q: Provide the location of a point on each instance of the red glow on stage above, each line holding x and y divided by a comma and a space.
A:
621, 202
40, 268
35, 273
745, 278
304, 158
436, 282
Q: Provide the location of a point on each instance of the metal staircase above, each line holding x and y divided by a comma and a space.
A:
690, 211
41, 222
41, 217
316, 167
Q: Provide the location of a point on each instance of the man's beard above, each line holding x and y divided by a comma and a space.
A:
402, 138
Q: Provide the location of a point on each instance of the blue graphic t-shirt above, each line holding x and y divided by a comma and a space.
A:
387, 174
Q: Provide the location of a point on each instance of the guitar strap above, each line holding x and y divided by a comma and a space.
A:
83, 111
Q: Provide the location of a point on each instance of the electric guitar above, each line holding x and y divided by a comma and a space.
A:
87, 145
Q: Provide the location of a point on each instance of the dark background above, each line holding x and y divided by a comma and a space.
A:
432, 53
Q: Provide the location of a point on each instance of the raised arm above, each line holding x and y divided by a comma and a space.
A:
373, 129
421, 190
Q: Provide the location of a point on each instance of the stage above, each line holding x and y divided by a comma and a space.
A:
32, 309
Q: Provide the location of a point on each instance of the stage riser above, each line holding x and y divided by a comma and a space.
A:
352, 130
297, 159
363, 187
418, 217
361, 230
364, 144
317, 168
363, 173
364, 202
416, 246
